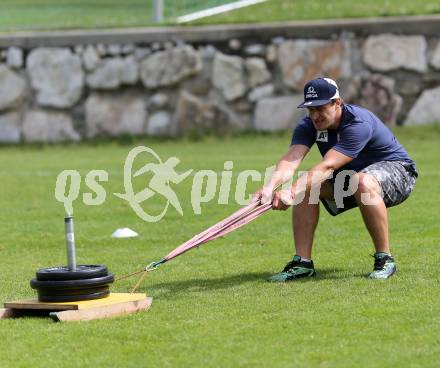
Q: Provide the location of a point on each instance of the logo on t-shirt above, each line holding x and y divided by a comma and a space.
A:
322, 136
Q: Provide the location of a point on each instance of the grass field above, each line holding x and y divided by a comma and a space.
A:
25, 15
212, 306
285, 10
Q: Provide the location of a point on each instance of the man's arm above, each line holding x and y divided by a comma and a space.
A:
284, 170
311, 179
333, 160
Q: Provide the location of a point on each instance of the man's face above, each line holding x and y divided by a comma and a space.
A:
325, 116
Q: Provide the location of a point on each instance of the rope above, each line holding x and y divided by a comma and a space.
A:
151, 267
222, 231
139, 282
129, 275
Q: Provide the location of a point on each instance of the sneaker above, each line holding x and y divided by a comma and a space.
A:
384, 266
295, 269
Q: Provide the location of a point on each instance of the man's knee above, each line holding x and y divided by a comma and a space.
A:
368, 190
367, 183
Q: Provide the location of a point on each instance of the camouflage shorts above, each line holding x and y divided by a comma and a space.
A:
396, 178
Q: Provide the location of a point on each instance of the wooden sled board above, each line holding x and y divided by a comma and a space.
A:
6, 313
106, 311
113, 298
116, 304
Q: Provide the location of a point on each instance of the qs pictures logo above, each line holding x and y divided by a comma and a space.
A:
164, 173
160, 178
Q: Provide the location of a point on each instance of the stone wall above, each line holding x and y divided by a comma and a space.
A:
238, 81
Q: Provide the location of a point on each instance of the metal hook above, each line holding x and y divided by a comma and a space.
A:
153, 265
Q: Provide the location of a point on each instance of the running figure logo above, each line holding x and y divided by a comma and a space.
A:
163, 174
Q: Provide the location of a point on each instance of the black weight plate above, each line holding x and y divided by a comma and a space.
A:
72, 284
72, 291
61, 273
73, 298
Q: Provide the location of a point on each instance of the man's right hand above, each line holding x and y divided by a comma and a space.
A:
282, 200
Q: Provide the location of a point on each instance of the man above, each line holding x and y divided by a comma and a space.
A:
350, 139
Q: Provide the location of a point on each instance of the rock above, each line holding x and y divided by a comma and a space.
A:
199, 86
101, 49
115, 114
388, 52
255, 49
271, 54
10, 130
107, 75
410, 85
14, 57
435, 58
426, 110
376, 93
112, 73
278, 40
243, 106
90, 58
257, 72
56, 75
12, 88
179, 42
114, 50
278, 113
140, 53
195, 116
48, 126
166, 68
159, 124
260, 92
234, 44
130, 71
303, 60
158, 100
208, 52
168, 45
127, 49
228, 76
78, 49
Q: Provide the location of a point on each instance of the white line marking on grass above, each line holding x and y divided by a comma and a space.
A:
217, 10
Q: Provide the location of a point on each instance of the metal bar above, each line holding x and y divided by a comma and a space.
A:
157, 11
70, 243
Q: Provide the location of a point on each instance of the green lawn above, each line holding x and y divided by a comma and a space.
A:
212, 306
285, 10
24, 15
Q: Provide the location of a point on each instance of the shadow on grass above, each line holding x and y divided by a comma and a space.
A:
32, 313
200, 285
210, 284
337, 274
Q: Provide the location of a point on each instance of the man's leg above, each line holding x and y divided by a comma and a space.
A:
305, 218
373, 210
375, 215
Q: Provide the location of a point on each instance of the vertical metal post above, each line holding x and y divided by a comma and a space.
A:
157, 11
70, 243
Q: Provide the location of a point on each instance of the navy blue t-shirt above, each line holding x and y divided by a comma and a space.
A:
361, 135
